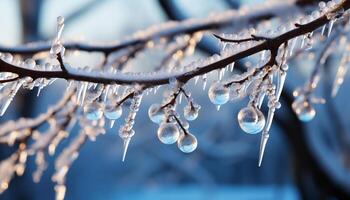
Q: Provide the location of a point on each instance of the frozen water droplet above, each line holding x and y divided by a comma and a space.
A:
251, 120
168, 133
156, 113
191, 112
93, 111
304, 110
112, 111
218, 94
187, 143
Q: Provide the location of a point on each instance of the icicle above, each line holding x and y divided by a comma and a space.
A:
303, 41
180, 98
323, 30
9, 99
70, 83
263, 142
261, 99
196, 80
204, 84
204, 81
280, 83
106, 93
232, 65
262, 58
82, 93
126, 143
293, 46
39, 90
341, 72
219, 74
330, 27
112, 123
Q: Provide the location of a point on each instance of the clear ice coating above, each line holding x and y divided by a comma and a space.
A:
93, 110
218, 94
156, 113
251, 120
168, 133
303, 109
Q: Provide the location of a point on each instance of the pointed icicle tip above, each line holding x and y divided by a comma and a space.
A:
126, 142
264, 139
38, 93
112, 123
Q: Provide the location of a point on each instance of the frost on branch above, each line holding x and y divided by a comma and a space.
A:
95, 95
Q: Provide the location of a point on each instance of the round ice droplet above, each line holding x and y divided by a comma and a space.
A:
218, 94
251, 120
168, 133
113, 111
304, 110
93, 111
187, 143
156, 113
190, 112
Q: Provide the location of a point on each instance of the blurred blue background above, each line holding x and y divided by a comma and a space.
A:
302, 161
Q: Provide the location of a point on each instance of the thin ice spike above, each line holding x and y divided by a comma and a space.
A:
126, 143
112, 123
331, 23
264, 138
39, 90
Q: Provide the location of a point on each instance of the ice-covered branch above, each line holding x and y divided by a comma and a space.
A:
168, 30
96, 94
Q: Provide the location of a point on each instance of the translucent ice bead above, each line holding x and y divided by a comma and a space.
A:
113, 111
168, 133
191, 112
304, 110
218, 94
187, 143
156, 113
251, 120
93, 111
